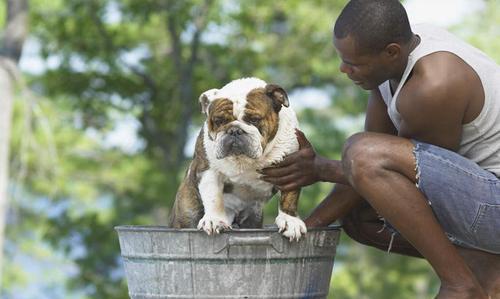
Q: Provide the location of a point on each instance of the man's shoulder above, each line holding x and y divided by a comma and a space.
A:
439, 72
439, 80
438, 64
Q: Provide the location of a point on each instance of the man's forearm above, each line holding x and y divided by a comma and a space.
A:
330, 171
335, 206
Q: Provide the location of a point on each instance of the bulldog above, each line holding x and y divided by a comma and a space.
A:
249, 126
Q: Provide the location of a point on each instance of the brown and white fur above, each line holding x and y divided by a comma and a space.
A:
249, 126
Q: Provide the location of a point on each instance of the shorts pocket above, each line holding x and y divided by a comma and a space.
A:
486, 227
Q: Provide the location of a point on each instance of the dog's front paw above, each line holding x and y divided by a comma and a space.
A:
291, 227
213, 223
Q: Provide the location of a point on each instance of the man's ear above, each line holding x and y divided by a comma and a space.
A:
206, 98
278, 95
393, 50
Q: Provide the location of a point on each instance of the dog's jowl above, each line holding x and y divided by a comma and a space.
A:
249, 126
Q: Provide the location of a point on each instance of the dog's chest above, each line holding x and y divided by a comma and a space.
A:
247, 186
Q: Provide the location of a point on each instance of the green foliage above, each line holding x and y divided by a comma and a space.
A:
482, 29
362, 272
2, 14
149, 60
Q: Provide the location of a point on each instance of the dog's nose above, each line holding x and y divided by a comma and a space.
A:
234, 131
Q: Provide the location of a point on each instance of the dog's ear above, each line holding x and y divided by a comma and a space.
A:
278, 95
206, 98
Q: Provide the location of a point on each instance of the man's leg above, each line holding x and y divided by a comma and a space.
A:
381, 168
359, 219
363, 225
486, 267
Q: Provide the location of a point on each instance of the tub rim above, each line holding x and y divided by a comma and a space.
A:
162, 228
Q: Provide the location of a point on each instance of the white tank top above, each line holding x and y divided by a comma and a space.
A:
480, 138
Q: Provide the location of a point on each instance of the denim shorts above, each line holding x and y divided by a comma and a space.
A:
464, 197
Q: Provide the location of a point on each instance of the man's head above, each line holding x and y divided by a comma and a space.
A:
372, 37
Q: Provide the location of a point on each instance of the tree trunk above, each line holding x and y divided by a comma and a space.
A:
10, 52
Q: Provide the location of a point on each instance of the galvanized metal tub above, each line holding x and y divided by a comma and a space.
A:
161, 262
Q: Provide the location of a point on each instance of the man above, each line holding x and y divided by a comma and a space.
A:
428, 163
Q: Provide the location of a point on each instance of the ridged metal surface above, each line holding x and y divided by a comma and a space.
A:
248, 263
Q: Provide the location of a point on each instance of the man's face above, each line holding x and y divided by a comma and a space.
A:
366, 70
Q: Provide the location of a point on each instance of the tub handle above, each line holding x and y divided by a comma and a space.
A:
226, 240
325, 239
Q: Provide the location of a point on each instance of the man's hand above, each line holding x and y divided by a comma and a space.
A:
297, 169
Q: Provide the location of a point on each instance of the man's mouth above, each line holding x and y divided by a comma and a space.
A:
357, 82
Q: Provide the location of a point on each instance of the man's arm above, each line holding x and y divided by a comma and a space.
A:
377, 120
442, 95
306, 167
343, 198
303, 168
428, 116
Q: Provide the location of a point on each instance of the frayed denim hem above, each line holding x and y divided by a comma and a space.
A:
386, 224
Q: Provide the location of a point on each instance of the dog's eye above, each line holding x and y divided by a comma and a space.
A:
254, 120
219, 121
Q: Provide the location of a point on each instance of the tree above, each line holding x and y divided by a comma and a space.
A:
148, 61
14, 34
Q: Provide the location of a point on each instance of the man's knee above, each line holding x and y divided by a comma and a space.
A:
363, 156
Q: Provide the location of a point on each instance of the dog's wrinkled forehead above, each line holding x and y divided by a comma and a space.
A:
245, 93
237, 91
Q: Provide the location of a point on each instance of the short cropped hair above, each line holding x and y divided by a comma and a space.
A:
374, 24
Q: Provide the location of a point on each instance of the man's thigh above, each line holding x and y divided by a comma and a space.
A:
464, 197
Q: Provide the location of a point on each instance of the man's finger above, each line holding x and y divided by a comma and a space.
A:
269, 179
289, 187
301, 138
276, 171
284, 180
289, 160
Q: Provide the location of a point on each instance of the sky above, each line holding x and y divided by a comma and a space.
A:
443, 13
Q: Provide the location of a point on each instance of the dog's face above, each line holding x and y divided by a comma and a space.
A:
243, 116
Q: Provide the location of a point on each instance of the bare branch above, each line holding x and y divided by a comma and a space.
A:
109, 48
200, 22
16, 29
174, 36
103, 32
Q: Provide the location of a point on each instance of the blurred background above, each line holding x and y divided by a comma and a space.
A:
99, 103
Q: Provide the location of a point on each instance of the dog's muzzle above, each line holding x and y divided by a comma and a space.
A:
235, 142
